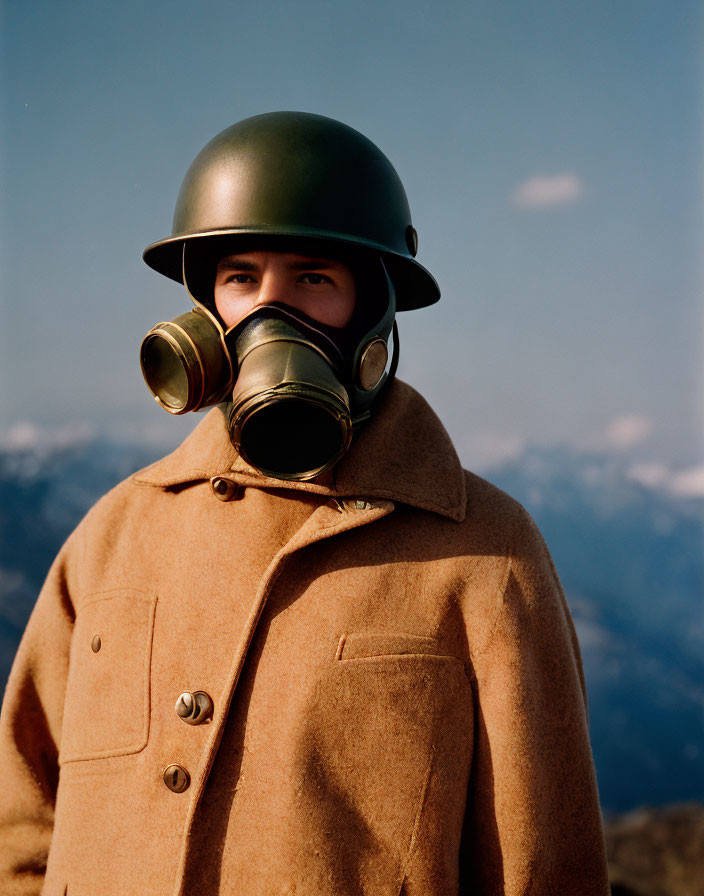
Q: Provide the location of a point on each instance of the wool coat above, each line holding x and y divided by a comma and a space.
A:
398, 700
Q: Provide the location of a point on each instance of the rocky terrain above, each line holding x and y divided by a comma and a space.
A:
657, 852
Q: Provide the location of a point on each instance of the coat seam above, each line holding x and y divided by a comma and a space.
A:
416, 821
501, 601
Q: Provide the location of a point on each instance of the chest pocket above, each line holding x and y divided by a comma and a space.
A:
368, 645
107, 695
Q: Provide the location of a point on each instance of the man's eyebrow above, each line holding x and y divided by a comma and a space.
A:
236, 264
318, 264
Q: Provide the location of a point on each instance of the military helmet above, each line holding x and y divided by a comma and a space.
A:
303, 176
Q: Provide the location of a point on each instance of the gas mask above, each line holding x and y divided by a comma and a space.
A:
295, 388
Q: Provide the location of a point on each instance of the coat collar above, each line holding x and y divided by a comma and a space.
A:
402, 454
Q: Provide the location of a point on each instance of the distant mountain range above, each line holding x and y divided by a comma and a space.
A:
630, 556
631, 560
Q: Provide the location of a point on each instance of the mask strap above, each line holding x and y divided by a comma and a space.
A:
394, 358
183, 275
204, 308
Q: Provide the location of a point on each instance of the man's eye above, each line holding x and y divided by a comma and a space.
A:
240, 278
315, 278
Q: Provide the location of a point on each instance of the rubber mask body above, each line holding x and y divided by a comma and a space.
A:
291, 415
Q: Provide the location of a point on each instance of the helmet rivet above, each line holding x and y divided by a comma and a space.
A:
412, 240
372, 364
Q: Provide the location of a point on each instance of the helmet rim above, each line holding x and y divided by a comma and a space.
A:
415, 286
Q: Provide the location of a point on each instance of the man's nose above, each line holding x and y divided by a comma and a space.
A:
274, 288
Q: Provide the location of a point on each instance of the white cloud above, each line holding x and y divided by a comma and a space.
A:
650, 474
687, 483
548, 190
482, 451
24, 436
592, 636
627, 431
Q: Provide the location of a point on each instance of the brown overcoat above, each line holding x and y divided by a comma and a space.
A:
398, 697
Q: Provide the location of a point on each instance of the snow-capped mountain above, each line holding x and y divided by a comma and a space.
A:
629, 550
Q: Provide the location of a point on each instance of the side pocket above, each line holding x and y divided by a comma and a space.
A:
108, 691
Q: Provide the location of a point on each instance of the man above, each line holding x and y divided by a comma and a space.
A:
306, 653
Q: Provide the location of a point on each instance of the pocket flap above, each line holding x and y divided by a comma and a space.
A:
358, 645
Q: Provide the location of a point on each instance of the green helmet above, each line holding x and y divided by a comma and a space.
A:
302, 176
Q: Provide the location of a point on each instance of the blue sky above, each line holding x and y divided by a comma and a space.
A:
551, 153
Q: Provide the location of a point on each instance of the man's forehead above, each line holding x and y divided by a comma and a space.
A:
290, 259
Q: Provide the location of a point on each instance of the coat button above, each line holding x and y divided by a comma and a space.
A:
356, 504
194, 708
96, 644
224, 489
176, 778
